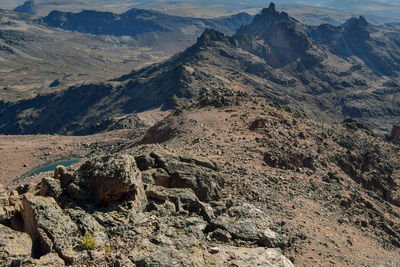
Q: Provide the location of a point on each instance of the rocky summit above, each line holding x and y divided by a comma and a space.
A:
276, 145
169, 212
268, 187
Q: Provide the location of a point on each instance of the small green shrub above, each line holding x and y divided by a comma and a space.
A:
87, 242
107, 249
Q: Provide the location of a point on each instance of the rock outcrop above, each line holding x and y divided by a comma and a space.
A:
48, 226
14, 246
228, 256
197, 174
248, 223
111, 179
159, 209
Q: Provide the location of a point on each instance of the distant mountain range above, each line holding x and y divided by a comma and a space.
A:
39, 58
149, 28
381, 11
328, 72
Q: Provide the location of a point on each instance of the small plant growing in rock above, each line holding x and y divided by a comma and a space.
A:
87, 242
107, 249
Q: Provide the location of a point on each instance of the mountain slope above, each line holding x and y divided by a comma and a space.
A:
37, 59
328, 72
246, 173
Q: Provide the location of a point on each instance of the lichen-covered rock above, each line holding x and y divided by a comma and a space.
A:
4, 203
156, 176
191, 172
3, 196
248, 223
183, 200
246, 257
200, 161
88, 224
50, 187
144, 162
49, 228
112, 179
14, 246
51, 259
65, 175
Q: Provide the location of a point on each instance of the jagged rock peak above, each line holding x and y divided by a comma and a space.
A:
210, 35
270, 9
360, 22
264, 19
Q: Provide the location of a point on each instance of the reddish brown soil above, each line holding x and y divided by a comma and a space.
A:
20, 154
301, 202
304, 206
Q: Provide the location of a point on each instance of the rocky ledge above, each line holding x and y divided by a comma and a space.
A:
159, 209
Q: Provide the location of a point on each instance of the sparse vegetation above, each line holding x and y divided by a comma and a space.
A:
88, 242
107, 249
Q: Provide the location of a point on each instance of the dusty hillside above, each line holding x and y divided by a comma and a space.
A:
36, 59
333, 189
322, 194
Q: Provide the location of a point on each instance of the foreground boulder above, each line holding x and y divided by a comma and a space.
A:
174, 171
248, 223
111, 179
14, 246
103, 213
247, 257
48, 226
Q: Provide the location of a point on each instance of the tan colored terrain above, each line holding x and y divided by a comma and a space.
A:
291, 168
329, 222
23, 153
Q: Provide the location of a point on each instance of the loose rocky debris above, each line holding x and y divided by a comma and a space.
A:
158, 209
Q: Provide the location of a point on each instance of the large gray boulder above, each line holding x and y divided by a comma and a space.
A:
48, 226
196, 173
14, 246
247, 222
247, 257
112, 178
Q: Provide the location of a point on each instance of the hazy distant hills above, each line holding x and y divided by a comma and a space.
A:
377, 11
94, 45
147, 27
35, 58
329, 72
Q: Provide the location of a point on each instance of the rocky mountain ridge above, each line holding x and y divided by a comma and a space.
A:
345, 71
